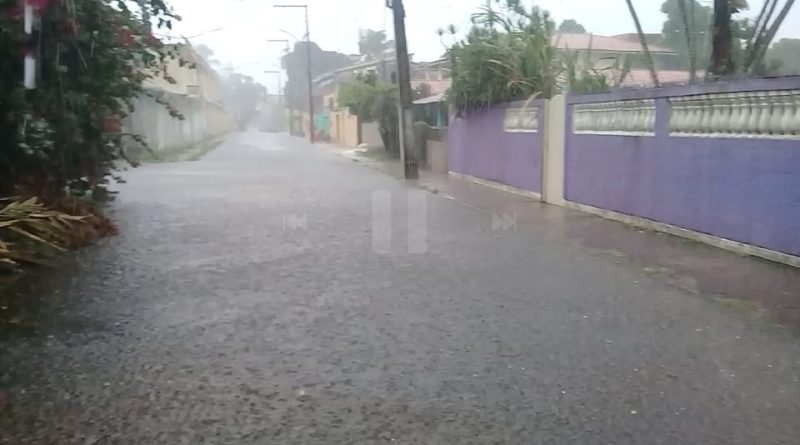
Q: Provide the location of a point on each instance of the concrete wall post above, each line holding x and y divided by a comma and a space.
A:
553, 150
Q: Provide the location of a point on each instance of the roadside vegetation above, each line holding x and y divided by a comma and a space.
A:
62, 140
193, 152
31, 232
374, 100
508, 55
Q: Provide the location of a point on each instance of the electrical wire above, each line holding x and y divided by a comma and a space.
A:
248, 16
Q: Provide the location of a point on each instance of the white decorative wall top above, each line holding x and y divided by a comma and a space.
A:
521, 120
625, 117
755, 114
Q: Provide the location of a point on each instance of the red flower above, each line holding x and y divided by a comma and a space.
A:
127, 38
72, 26
112, 124
38, 4
153, 41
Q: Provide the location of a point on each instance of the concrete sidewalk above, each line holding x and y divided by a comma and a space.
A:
761, 289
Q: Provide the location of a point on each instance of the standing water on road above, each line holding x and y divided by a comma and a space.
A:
204, 238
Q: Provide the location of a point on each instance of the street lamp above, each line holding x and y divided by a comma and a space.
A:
280, 95
280, 91
284, 96
310, 79
289, 34
284, 41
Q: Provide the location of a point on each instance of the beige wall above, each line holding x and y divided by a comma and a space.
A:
305, 120
162, 132
437, 156
183, 76
331, 98
200, 80
344, 128
219, 120
370, 135
553, 150
196, 92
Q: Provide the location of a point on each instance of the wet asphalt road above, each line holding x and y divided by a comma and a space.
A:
244, 303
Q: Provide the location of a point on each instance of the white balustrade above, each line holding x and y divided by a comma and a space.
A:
721, 119
519, 120
795, 113
626, 117
789, 109
766, 115
747, 110
736, 118
706, 111
757, 114
679, 116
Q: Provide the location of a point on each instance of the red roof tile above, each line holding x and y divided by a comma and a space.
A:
601, 43
641, 78
437, 86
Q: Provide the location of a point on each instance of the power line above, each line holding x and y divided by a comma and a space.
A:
255, 62
248, 16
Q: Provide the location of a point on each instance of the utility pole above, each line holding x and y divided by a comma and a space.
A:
310, 83
286, 52
308, 72
277, 73
405, 114
30, 48
284, 98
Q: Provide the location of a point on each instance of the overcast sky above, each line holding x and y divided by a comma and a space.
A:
247, 24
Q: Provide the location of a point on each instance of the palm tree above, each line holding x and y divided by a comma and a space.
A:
643, 41
688, 28
722, 40
372, 44
764, 33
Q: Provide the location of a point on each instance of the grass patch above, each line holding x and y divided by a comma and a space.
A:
740, 305
376, 154
186, 153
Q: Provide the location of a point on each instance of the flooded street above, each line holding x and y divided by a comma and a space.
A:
244, 302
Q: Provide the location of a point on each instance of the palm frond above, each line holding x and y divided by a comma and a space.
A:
30, 225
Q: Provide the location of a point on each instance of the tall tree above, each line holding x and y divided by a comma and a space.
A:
678, 30
755, 58
786, 55
643, 42
372, 44
687, 27
243, 95
725, 37
296, 65
692, 48
373, 100
721, 41
207, 54
571, 26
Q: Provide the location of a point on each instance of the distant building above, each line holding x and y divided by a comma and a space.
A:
604, 51
609, 54
434, 77
337, 124
194, 90
191, 75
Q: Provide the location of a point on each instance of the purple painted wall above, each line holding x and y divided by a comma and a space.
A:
746, 190
478, 146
